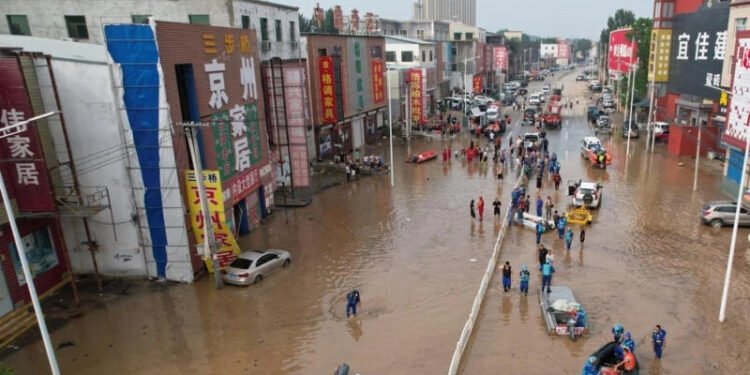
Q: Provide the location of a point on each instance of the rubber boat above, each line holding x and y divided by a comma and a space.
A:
529, 221
605, 361
423, 157
559, 308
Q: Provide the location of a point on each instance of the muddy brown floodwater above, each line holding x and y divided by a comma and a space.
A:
418, 258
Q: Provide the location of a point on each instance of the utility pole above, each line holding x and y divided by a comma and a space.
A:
630, 110
209, 244
651, 112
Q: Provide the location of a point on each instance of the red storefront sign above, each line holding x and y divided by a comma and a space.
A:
378, 85
622, 52
327, 91
477, 84
24, 170
563, 50
415, 92
501, 58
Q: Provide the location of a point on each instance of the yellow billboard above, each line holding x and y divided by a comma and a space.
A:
226, 244
661, 43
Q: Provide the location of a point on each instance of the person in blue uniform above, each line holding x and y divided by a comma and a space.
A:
507, 274
628, 341
539, 232
581, 316
352, 300
617, 332
525, 276
589, 368
659, 340
547, 271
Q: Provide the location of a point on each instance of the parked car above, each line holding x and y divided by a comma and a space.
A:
580, 77
661, 131
534, 100
721, 213
603, 125
493, 113
531, 140
593, 112
630, 130
587, 193
251, 267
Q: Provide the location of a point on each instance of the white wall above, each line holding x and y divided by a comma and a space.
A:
548, 50
47, 17
286, 49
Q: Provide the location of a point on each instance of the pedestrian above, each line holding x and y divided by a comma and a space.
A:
568, 238
617, 331
506, 276
499, 170
471, 209
348, 171
548, 208
542, 255
561, 227
496, 204
525, 276
547, 271
539, 232
557, 179
555, 218
480, 208
659, 340
539, 181
527, 204
582, 236
629, 342
628, 362
550, 258
352, 301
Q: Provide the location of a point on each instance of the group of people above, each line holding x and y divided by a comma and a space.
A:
624, 350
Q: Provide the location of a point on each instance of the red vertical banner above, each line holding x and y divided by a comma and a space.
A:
622, 52
501, 58
378, 81
22, 151
415, 92
477, 84
327, 91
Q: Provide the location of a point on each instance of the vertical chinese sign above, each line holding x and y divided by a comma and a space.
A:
501, 59
327, 92
226, 245
415, 95
358, 77
661, 42
477, 84
738, 129
24, 167
378, 81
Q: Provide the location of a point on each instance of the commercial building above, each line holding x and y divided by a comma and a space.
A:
464, 11
348, 91
411, 56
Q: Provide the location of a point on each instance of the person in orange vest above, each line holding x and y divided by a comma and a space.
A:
628, 361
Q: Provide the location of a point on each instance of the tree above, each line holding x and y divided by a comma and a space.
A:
549, 40
622, 18
328, 26
641, 35
305, 24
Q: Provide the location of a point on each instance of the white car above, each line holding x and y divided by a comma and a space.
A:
589, 194
534, 100
250, 267
493, 113
545, 90
483, 99
531, 140
589, 143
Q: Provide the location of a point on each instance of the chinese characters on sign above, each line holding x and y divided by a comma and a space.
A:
501, 58
21, 147
622, 52
358, 77
226, 245
237, 140
327, 94
737, 129
661, 42
477, 84
702, 46
378, 81
415, 93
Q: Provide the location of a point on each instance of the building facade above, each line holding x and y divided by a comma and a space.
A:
464, 11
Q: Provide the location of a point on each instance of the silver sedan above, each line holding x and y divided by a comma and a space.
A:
251, 267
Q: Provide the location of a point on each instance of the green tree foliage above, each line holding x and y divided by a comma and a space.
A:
328, 25
641, 34
621, 18
305, 24
549, 40
581, 45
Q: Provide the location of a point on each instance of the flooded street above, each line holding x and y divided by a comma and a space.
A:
418, 258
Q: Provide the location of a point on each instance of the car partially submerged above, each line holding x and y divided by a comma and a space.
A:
251, 267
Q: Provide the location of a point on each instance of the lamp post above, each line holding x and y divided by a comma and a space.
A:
390, 124
466, 62
17, 128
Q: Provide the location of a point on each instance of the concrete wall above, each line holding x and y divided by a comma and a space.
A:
416, 49
286, 48
47, 17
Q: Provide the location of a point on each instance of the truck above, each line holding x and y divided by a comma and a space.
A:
553, 115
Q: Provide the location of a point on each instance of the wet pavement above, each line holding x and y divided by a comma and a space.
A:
418, 258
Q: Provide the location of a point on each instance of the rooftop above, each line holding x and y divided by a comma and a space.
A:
407, 40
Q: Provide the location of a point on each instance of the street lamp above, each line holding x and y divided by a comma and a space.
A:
466, 62
390, 122
17, 128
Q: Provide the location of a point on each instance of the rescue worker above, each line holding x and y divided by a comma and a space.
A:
539, 231
581, 318
527, 204
539, 205
548, 205
628, 341
617, 331
659, 340
471, 209
589, 368
600, 157
568, 238
525, 275
542, 255
556, 179
561, 227
547, 271
496, 206
628, 361
352, 300
507, 272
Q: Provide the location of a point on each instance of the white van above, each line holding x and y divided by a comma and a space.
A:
493, 113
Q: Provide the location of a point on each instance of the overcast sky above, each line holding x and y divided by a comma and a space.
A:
545, 18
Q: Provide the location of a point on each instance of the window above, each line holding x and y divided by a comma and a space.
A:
424, 56
390, 56
18, 25
420, 34
377, 52
278, 31
263, 29
667, 11
402, 32
292, 31
727, 209
454, 67
456, 36
453, 51
76, 27
245, 22
322, 52
469, 36
241, 263
199, 19
140, 18
739, 24
407, 56
430, 55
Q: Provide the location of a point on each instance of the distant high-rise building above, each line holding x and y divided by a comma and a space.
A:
464, 11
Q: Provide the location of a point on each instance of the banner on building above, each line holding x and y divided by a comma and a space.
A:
226, 244
327, 89
661, 42
501, 59
622, 52
563, 50
415, 96
24, 168
737, 131
477, 84
378, 81
358, 77
698, 47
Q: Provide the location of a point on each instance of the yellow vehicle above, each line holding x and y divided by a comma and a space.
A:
579, 215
